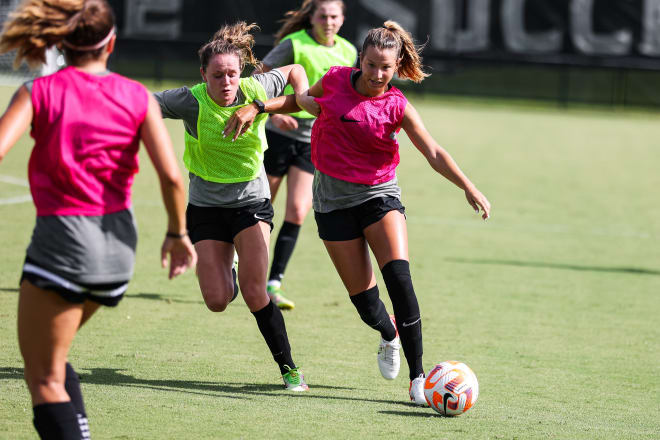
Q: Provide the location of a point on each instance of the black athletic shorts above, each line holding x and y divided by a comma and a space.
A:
348, 224
284, 152
223, 224
106, 294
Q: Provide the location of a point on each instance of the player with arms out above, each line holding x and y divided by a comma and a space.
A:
308, 37
357, 202
229, 201
87, 124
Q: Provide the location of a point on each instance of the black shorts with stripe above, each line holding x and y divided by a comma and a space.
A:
223, 224
105, 294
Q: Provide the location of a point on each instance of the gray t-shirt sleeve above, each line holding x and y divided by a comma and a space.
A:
179, 104
280, 55
28, 85
273, 81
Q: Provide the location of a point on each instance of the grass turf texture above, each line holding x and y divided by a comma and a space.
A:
554, 302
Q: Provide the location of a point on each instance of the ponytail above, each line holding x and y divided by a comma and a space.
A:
298, 19
392, 36
78, 26
235, 39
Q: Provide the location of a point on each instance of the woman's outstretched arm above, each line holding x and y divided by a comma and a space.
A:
441, 160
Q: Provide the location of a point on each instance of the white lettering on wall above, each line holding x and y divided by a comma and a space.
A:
650, 44
590, 43
138, 25
445, 32
518, 40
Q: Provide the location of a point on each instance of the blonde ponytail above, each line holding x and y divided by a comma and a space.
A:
393, 36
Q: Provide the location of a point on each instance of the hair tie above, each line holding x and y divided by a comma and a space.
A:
98, 45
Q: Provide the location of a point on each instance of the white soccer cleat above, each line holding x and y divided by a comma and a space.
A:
416, 391
389, 360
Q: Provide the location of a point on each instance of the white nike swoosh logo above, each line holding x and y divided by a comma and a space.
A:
412, 323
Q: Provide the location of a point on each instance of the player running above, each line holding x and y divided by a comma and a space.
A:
87, 124
356, 196
308, 37
229, 201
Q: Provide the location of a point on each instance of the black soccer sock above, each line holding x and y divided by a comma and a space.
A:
271, 324
56, 421
72, 386
396, 275
234, 276
372, 311
286, 242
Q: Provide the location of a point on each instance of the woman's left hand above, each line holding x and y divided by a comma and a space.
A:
240, 121
478, 200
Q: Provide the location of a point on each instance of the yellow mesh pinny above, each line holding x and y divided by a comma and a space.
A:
217, 159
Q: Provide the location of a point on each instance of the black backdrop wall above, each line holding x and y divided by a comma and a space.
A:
603, 51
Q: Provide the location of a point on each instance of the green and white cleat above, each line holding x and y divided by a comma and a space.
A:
276, 295
294, 380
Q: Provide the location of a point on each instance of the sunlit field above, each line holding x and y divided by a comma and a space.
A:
554, 302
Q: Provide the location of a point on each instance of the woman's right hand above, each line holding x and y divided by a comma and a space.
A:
478, 200
181, 253
284, 122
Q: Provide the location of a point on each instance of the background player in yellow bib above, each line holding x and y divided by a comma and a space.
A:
308, 37
229, 199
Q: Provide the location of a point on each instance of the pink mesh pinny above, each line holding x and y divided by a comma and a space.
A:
354, 137
86, 131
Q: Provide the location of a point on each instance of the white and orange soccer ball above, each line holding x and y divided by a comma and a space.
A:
451, 388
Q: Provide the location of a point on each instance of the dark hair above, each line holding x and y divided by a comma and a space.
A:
300, 18
392, 36
37, 25
236, 39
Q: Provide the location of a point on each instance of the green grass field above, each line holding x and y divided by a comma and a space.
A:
554, 302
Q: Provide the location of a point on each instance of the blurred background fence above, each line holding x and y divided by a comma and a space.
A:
590, 51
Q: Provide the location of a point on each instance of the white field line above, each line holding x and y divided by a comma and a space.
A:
17, 199
14, 181
536, 228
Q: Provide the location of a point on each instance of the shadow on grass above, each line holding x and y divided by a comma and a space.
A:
160, 297
234, 390
629, 270
8, 289
422, 413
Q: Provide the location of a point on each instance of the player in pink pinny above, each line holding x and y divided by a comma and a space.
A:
87, 124
356, 198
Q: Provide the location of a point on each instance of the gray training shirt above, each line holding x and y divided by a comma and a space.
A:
181, 104
282, 55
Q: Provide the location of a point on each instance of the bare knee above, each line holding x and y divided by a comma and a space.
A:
217, 300
217, 306
296, 213
255, 296
44, 386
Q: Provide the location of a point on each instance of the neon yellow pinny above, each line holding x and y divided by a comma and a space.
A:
218, 159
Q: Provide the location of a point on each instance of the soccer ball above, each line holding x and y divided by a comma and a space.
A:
451, 388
